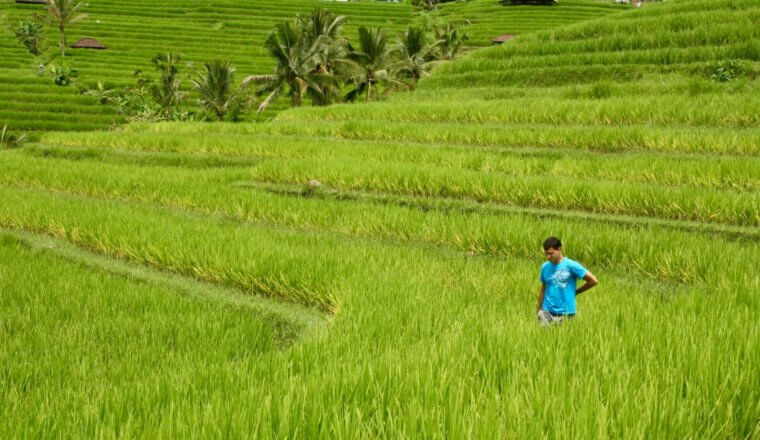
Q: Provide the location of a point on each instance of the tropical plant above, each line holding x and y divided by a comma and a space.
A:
298, 60
101, 92
450, 40
166, 90
415, 55
135, 104
10, 140
321, 24
62, 74
323, 29
726, 71
217, 93
374, 60
65, 13
29, 33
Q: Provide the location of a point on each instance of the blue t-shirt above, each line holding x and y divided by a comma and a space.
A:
560, 280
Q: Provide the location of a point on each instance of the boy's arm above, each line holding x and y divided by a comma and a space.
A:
591, 281
541, 297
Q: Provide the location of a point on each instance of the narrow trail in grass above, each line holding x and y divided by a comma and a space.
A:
479, 244
308, 321
447, 204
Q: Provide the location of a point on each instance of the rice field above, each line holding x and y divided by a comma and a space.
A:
134, 31
185, 280
485, 20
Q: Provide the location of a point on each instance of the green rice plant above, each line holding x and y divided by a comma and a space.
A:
449, 293
708, 111
591, 196
571, 137
728, 173
198, 286
222, 191
430, 349
261, 274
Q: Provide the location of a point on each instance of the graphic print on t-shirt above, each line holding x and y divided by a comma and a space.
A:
560, 278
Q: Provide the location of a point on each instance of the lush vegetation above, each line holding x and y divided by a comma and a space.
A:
186, 279
136, 30
484, 20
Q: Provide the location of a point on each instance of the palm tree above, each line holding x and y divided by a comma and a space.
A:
374, 62
415, 56
215, 87
450, 39
323, 28
166, 91
321, 23
298, 59
65, 12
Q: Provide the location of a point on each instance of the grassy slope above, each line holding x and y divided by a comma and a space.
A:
484, 20
422, 244
134, 31
104, 330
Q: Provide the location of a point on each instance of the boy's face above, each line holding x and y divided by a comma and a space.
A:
553, 255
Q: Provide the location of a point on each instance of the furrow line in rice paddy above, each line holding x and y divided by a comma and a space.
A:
407, 224
685, 203
729, 174
443, 204
666, 143
86, 247
310, 323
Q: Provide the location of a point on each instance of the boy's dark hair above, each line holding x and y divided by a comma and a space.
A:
552, 242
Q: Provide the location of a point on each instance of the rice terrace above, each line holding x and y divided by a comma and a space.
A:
342, 219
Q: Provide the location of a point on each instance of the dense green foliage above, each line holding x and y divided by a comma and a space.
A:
634, 138
30, 34
134, 31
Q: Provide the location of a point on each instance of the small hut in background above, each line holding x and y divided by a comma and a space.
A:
88, 43
501, 39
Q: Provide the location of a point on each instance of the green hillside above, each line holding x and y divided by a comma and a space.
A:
484, 20
396, 298
641, 80
136, 30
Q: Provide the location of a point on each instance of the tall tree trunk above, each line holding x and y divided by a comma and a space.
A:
63, 40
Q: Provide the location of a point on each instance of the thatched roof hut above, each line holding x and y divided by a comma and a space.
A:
88, 43
503, 38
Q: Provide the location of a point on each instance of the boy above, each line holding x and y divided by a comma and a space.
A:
558, 279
